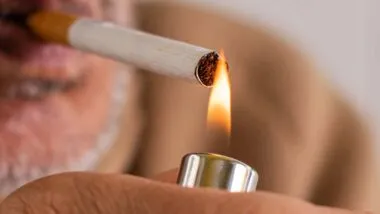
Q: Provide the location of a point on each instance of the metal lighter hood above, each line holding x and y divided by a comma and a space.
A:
216, 171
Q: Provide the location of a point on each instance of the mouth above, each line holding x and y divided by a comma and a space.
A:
26, 59
57, 105
13, 32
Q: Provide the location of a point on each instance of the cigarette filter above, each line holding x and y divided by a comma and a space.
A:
216, 171
146, 51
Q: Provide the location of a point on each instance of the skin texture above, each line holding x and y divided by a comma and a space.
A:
116, 194
52, 130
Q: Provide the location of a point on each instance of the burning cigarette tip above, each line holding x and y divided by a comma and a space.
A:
207, 67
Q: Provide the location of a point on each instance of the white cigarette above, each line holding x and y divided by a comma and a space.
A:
149, 52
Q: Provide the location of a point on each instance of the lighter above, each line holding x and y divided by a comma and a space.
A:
208, 170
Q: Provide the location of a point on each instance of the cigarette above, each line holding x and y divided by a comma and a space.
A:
210, 170
145, 51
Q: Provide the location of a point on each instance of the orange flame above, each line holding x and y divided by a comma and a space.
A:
219, 107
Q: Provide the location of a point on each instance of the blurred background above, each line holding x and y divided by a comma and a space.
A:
342, 36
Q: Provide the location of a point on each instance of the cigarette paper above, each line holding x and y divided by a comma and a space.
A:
149, 52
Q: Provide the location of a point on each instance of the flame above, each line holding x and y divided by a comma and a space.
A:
219, 107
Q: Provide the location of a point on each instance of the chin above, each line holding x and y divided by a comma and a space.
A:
59, 107
63, 131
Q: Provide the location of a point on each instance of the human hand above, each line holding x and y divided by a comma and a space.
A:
82, 192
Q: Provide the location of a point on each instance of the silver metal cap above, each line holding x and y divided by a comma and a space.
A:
216, 171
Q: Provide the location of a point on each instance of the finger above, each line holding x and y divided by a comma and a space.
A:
77, 193
169, 176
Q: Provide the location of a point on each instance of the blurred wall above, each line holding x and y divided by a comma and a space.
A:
342, 36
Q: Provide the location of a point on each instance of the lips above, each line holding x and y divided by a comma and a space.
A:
14, 37
25, 58
61, 130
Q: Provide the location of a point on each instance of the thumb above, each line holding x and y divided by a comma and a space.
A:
77, 193
169, 176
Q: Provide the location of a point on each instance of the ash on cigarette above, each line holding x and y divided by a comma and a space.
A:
206, 68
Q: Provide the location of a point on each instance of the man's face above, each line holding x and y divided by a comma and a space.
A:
55, 102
